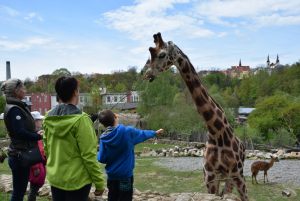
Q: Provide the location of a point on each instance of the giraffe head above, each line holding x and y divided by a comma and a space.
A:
162, 58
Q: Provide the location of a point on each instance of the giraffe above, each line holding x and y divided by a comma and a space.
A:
225, 153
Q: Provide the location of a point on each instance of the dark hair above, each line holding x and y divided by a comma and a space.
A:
107, 118
94, 117
65, 87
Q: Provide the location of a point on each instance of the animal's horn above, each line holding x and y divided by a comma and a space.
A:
159, 41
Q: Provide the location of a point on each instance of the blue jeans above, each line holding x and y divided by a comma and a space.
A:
120, 190
20, 177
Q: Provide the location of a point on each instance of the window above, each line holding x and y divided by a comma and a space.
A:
108, 99
136, 99
115, 98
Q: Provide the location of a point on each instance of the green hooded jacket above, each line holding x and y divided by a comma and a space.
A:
70, 145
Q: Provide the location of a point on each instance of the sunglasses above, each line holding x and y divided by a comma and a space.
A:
19, 82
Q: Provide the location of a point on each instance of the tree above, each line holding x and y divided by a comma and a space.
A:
274, 113
2, 103
61, 72
160, 92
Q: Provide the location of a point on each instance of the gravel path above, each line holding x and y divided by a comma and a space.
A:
285, 171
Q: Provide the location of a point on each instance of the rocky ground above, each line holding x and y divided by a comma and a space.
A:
6, 186
284, 171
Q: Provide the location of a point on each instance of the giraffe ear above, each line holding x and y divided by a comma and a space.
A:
152, 52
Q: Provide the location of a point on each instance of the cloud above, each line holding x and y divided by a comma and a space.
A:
8, 11
7, 45
250, 12
31, 16
149, 16
198, 18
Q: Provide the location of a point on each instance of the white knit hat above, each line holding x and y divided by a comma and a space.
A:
37, 115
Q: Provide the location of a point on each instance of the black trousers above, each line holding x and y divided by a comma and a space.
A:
120, 190
20, 177
81, 194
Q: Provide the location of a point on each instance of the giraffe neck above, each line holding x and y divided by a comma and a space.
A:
211, 112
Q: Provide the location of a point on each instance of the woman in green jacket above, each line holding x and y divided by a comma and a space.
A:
70, 146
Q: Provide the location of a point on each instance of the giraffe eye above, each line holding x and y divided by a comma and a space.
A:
162, 55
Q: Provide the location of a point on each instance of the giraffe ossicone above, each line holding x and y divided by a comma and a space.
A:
225, 153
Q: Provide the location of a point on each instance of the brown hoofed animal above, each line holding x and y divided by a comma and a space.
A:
225, 153
262, 166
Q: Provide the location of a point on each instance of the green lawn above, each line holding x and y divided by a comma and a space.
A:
148, 176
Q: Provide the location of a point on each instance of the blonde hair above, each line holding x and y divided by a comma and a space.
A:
9, 87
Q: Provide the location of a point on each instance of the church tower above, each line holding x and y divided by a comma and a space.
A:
268, 61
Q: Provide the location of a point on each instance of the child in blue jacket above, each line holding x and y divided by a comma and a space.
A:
116, 150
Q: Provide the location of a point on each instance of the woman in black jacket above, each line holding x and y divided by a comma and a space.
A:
21, 130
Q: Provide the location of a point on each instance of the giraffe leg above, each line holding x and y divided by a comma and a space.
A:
212, 183
240, 185
228, 187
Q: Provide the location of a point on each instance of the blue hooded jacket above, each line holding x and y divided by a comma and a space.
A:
117, 150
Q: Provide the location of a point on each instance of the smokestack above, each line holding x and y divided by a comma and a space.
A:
8, 75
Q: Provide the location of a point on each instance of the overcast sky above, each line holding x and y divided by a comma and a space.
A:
101, 36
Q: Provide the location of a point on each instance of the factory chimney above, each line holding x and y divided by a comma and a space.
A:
8, 75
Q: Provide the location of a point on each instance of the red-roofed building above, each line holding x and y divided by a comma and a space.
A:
239, 71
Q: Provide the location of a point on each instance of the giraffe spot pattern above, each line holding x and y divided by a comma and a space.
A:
189, 84
240, 165
208, 115
225, 121
226, 140
204, 92
220, 141
169, 63
237, 157
210, 178
238, 181
186, 68
219, 113
213, 190
213, 104
208, 167
192, 85
200, 101
222, 169
218, 124
210, 130
235, 168
235, 146
229, 132
180, 60
211, 141
213, 158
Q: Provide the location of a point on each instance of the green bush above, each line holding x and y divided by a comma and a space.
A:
283, 138
2, 129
